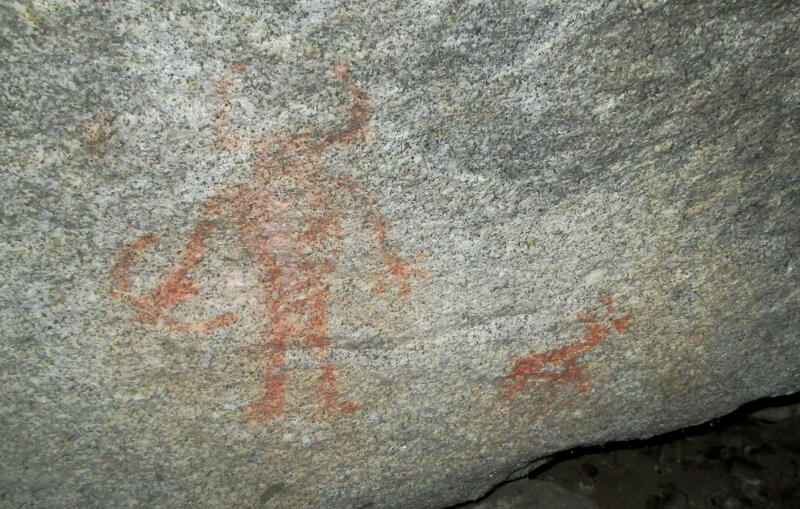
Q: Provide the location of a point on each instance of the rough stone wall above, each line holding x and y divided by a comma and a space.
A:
383, 254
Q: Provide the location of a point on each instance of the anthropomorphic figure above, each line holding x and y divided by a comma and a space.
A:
290, 219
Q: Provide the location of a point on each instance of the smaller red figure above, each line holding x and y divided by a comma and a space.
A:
558, 367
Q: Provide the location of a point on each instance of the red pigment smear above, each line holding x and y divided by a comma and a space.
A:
171, 290
290, 219
558, 367
329, 390
621, 324
397, 273
204, 327
121, 270
225, 138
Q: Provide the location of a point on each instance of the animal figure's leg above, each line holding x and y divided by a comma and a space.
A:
573, 375
525, 369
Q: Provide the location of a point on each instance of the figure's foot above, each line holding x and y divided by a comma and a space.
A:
331, 410
329, 390
347, 407
272, 403
265, 408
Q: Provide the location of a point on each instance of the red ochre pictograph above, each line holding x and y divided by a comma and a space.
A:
558, 367
290, 219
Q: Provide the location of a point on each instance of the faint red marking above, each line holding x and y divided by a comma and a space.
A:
225, 138
398, 271
96, 133
290, 217
329, 389
558, 367
621, 324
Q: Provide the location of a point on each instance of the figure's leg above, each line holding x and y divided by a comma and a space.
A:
314, 334
281, 291
272, 403
315, 311
329, 390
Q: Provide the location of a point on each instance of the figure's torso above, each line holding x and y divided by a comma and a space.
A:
291, 221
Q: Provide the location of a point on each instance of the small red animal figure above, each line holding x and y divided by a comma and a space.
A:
290, 219
558, 367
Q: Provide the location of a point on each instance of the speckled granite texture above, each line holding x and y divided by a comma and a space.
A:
383, 254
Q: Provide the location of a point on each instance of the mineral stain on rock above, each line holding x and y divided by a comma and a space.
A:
558, 367
290, 219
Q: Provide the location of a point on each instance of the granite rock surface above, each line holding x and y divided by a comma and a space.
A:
383, 254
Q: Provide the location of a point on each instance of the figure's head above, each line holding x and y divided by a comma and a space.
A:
300, 150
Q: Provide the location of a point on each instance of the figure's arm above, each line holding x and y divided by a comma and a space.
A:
171, 289
175, 286
397, 271
121, 270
